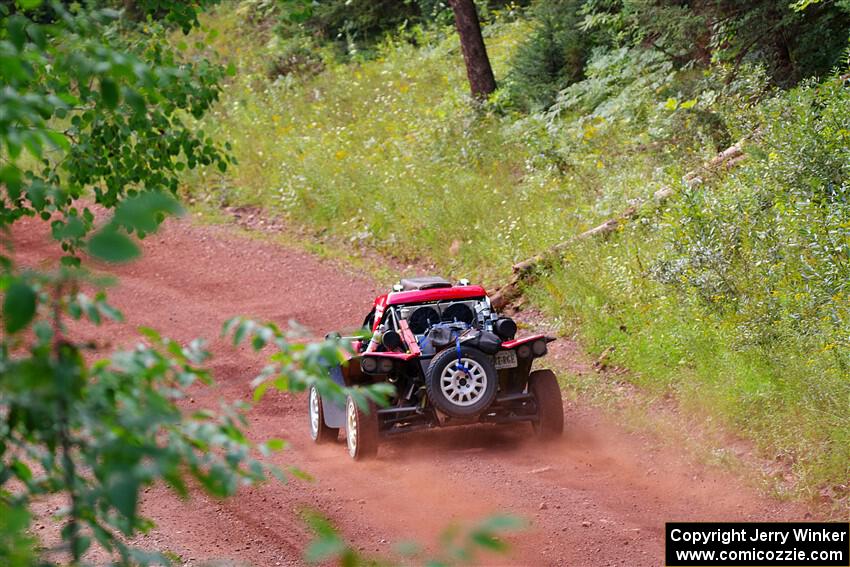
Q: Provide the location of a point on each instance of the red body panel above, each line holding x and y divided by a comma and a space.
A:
394, 355
516, 342
436, 294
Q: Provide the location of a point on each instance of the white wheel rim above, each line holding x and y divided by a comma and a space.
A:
314, 412
463, 388
351, 433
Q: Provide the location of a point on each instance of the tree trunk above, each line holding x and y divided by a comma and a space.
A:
478, 70
131, 11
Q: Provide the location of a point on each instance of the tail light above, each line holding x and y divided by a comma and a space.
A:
523, 351
538, 347
369, 364
376, 365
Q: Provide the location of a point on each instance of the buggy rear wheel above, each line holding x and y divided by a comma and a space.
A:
319, 432
361, 430
543, 386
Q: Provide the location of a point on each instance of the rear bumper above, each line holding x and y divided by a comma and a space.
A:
509, 408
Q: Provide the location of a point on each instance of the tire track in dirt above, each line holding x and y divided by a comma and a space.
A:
599, 496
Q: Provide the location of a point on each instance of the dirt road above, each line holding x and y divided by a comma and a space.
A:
600, 496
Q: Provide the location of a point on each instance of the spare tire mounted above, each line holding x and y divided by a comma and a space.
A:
461, 381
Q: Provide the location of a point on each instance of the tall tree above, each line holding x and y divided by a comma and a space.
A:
478, 69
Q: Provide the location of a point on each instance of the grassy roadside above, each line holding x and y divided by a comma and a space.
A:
386, 154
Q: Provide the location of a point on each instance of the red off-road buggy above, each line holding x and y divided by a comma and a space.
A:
452, 360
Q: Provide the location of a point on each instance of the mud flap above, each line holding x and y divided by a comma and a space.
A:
334, 412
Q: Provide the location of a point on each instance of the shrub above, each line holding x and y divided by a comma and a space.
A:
298, 57
771, 244
552, 58
791, 40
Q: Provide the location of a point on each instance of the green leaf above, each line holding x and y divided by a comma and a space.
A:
324, 549
801, 5
37, 194
124, 493
258, 342
70, 229
151, 334
109, 93
58, 139
260, 391
16, 27
488, 541
33, 143
10, 176
29, 4
500, 523
112, 246
276, 444
135, 100
21, 470
81, 544
110, 312
242, 330
71, 261
144, 212
18, 307
37, 35
300, 473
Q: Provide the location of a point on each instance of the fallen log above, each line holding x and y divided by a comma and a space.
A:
523, 271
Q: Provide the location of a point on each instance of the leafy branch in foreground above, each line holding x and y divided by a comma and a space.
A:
298, 363
100, 432
92, 110
457, 546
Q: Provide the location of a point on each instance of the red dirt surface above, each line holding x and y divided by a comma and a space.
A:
599, 496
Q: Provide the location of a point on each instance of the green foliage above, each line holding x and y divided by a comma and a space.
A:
17, 547
791, 44
677, 29
781, 225
18, 306
458, 547
296, 58
735, 298
183, 15
791, 41
102, 431
295, 366
354, 21
93, 110
354, 28
351, 26
552, 58
398, 122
